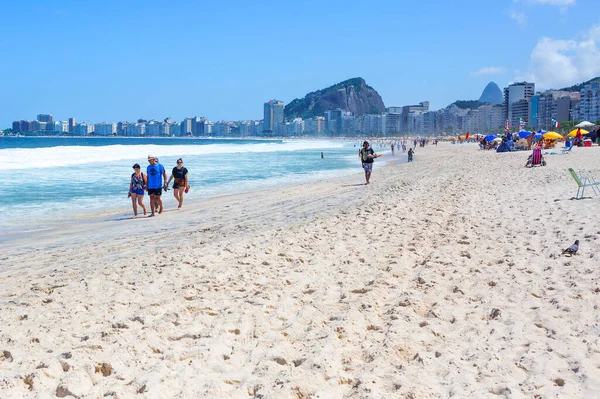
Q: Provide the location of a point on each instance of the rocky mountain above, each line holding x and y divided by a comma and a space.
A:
351, 95
491, 94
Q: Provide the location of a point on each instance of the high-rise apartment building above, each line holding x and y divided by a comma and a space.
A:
72, 125
135, 129
273, 116
562, 110
61, 127
496, 118
519, 114
513, 93
393, 123
589, 106
405, 124
45, 118
152, 129
105, 129
121, 128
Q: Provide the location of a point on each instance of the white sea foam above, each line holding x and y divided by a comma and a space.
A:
32, 158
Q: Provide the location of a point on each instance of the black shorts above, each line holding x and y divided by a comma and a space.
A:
155, 191
175, 185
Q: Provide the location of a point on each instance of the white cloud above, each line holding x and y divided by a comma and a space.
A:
557, 63
562, 3
489, 71
518, 16
521, 17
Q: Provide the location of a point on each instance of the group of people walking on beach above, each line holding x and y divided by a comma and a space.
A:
154, 181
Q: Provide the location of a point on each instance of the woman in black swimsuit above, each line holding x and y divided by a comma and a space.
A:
180, 185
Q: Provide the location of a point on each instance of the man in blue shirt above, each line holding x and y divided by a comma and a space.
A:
157, 180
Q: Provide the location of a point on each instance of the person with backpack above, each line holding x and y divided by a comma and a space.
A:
137, 186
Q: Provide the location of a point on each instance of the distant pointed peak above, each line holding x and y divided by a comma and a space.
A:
491, 94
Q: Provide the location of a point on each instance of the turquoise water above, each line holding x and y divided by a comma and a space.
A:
51, 181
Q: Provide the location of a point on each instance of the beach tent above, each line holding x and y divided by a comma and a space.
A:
490, 137
573, 132
552, 136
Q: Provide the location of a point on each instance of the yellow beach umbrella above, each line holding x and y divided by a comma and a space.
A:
552, 136
573, 133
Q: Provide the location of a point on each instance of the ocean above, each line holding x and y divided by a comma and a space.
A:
53, 181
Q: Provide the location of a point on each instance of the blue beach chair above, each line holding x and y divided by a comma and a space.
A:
566, 150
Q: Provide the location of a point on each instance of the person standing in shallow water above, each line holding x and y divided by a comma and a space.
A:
367, 156
180, 185
137, 185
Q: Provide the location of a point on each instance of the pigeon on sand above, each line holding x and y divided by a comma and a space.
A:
572, 250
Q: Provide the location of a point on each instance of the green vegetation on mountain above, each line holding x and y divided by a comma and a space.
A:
468, 104
352, 95
580, 86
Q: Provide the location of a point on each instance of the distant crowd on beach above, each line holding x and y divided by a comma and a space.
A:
154, 181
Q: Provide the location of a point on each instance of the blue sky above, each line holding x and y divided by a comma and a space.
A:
124, 60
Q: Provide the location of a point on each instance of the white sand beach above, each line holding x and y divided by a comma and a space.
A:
443, 278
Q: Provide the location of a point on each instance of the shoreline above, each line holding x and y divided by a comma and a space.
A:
125, 213
442, 278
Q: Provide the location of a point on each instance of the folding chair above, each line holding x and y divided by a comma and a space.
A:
584, 182
566, 150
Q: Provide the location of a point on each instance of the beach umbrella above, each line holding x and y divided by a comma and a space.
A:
490, 137
538, 136
573, 132
497, 139
541, 131
524, 134
585, 124
552, 136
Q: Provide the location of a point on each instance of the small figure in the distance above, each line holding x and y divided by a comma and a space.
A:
410, 154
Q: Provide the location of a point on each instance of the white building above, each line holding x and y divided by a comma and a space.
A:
165, 129
61, 126
220, 129
153, 129
135, 129
84, 129
104, 129
295, 127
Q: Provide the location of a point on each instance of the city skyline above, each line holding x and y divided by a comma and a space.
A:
522, 107
105, 62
